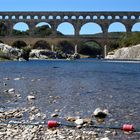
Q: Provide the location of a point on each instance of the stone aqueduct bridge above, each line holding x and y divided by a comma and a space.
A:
77, 19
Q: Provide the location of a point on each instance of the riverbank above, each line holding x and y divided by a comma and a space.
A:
42, 132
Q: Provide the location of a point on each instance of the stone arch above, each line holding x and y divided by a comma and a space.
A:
109, 17
43, 17
73, 17
35, 17
65, 47
58, 17
116, 27
88, 28
125, 17
95, 17
21, 26
28, 17
65, 17
50, 17
80, 17
19, 44
88, 17
102, 17
117, 17
20, 17
66, 28
90, 48
136, 27
42, 24
13, 17
43, 29
133, 17
6, 17
42, 44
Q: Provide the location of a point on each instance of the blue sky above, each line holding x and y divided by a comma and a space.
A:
70, 5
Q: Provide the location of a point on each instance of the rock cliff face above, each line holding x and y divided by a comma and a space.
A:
127, 53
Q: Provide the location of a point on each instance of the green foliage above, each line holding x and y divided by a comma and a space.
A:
20, 33
65, 47
19, 44
90, 48
130, 39
4, 56
44, 30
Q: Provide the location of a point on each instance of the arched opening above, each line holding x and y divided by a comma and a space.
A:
43, 17
81, 17
28, 17
21, 28
65, 47
102, 17
66, 28
35, 17
116, 27
125, 17
66, 17
20, 17
87, 17
136, 27
3, 29
19, 44
73, 17
13, 17
58, 17
43, 29
90, 49
50, 17
90, 28
6, 17
109, 17
95, 17
117, 17
42, 45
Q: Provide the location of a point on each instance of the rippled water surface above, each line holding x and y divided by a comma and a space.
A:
75, 88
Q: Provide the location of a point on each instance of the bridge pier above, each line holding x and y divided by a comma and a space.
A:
76, 49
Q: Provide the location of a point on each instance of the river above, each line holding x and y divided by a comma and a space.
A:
74, 88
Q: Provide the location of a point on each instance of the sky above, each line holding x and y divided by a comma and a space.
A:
70, 5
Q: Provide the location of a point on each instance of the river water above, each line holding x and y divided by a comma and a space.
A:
75, 88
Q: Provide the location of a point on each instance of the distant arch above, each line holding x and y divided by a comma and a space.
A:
90, 28
66, 28
117, 27
42, 44
136, 27
65, 47
19, 44
21, 26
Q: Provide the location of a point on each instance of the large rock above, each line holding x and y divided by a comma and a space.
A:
10, 50
127, 53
